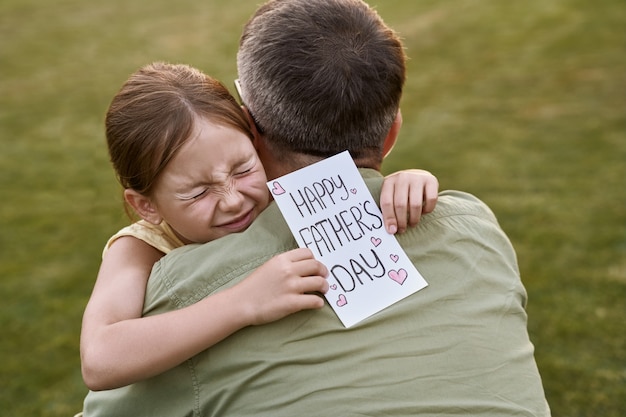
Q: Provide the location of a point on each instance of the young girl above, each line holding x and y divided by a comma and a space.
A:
182, 149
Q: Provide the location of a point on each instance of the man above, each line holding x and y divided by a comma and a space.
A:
319, 77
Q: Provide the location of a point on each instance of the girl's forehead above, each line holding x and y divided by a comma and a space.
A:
212, 151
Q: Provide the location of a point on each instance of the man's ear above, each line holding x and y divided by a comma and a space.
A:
256, 135
143, 206
392, 136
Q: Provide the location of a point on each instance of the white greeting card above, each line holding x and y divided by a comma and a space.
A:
330, 211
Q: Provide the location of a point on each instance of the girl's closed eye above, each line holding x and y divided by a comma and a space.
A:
244, 168
194, 196
200, 194
244, 172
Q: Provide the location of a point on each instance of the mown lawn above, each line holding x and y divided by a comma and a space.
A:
521, 103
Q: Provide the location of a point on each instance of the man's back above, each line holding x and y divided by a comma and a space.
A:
458, 347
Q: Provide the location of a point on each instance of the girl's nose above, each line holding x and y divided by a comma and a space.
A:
231, 200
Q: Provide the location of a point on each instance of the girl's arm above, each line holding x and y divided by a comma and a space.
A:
119, 347
405, 195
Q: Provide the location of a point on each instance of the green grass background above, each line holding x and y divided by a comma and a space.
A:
522, 103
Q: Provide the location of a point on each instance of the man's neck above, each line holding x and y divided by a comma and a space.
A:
279, 164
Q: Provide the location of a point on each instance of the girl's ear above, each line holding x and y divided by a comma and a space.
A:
144, 206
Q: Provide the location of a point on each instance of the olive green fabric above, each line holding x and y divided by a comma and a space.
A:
459, 347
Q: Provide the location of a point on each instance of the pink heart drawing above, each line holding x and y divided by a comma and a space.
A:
333, 287
342, 300
375, 241
278, 189
398, 276
353, 190
394, 257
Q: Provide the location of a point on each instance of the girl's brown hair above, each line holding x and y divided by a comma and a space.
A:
153, 115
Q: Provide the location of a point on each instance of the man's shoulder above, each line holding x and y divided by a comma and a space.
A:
460, 203
449, 203
192, 272
452, 206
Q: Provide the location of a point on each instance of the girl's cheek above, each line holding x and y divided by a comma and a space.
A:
204, 208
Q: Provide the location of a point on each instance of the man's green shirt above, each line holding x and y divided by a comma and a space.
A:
459, 347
